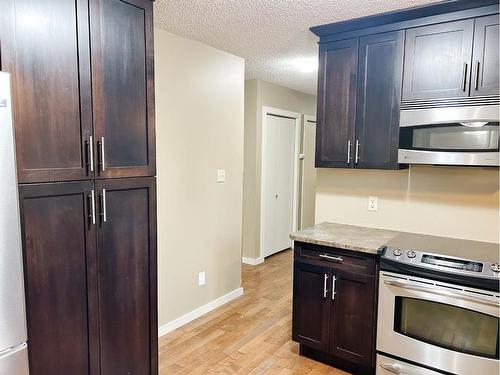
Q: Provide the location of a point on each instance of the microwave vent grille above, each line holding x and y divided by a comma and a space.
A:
451, 102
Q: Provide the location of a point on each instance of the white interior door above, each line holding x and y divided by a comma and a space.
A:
278, 183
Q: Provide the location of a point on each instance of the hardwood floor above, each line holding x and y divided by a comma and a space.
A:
251, 335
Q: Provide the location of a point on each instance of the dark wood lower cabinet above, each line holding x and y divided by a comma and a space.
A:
352, 317
127, 276
334, 306
311, 306
60, 278
90, 271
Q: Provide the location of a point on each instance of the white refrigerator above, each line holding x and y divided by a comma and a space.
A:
13, 346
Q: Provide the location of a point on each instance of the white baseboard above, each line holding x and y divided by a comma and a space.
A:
252, 261
190, 316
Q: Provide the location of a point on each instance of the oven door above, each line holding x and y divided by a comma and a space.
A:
439, 325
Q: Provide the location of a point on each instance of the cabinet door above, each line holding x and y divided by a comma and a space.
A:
46, 49
437, 61
485, 72
378, 103
127, 276
123, 92
352, 317
60, 278
336, 103
311, 305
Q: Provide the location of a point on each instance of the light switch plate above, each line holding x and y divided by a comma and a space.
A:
201, 278
221, 175
372, 203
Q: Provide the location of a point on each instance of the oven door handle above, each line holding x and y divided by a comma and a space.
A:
441, 292
395, 369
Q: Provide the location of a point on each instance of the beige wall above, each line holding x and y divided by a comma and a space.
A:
199, 121
258, 94
444, 201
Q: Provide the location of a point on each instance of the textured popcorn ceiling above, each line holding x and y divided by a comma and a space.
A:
269, 34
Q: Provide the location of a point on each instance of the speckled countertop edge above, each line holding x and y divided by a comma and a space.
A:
344, 236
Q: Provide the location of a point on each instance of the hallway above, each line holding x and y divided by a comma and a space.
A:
251, 335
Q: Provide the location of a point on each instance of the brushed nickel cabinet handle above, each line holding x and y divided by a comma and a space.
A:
102, 154
356, 158
104, 210
464, 77
88, 166
325, 290
476, 78
91, 204
103, 214
333, 259
91, 151
348, 151
333, 287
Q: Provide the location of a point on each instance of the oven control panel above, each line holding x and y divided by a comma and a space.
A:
439, 262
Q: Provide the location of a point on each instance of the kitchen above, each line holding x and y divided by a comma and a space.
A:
398, 272
401, 90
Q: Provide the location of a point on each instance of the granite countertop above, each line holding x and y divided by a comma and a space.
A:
343, 236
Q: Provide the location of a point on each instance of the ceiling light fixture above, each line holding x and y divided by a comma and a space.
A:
306, 64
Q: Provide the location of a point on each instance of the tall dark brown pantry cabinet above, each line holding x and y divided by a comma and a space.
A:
83, 94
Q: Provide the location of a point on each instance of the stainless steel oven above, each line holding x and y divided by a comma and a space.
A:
466, 136
429, 325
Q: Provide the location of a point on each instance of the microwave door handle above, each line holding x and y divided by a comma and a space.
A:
441, 292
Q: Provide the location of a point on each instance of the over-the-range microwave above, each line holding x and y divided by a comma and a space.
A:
461, 135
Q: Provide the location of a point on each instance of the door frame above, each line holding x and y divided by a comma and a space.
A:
302, 154
297, 117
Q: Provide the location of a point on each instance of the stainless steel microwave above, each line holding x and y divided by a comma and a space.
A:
467, 136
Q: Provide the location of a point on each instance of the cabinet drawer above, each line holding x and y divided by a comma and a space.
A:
348, 260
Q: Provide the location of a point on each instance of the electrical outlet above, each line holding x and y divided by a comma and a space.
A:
221, 175
372, 203
201, 278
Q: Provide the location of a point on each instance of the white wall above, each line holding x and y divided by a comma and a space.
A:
199, 121
443, 201
258, 94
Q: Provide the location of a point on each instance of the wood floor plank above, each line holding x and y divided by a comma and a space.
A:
251, 335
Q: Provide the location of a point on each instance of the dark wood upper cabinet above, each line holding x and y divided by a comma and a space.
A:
378, 100
352, 318
336, 103
438, 60
127, 276
45, 46
485, 64
359, 96
311, 305
123, 90
60, 277
66, 127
